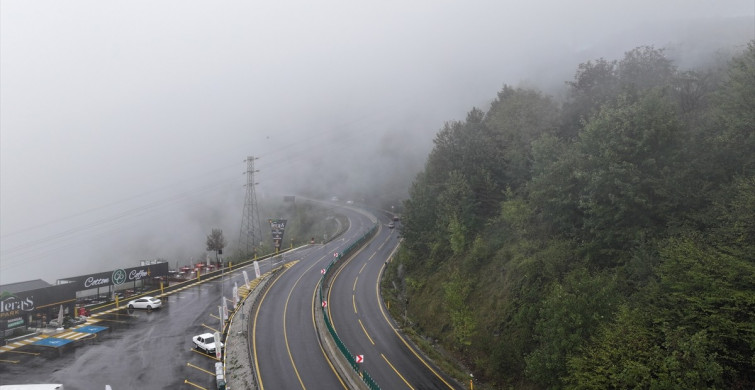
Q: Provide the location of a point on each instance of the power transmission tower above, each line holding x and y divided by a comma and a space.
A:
251, 230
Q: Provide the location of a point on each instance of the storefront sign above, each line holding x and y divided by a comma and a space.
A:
13, 306
118, 277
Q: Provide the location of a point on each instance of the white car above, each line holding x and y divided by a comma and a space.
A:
206, 342
148, 303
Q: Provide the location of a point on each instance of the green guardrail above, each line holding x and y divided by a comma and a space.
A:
341, 346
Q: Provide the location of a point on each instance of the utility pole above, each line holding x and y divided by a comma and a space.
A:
251, 230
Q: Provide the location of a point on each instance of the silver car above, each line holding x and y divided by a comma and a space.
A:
148, 303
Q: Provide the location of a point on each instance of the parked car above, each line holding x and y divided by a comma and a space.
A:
391, 225
148, 303
206, 342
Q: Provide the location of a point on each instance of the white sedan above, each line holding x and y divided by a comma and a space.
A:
148, 303
206, 342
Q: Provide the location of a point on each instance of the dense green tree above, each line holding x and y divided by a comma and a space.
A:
571, 312
630, 353
419, 218
516, 118
595, 83
645, 67
629, 151
216, 242
735, 111
456, 205
606, 244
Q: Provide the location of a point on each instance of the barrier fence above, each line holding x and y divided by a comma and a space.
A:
341, 346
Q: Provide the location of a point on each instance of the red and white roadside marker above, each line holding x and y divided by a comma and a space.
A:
324, 304
359, 358
322, 271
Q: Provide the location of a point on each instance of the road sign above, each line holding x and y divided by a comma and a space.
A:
335, 254
322, 271
359, 358
324, 304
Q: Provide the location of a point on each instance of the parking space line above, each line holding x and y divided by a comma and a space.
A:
200, 369
205, 355
194, 384
211, 328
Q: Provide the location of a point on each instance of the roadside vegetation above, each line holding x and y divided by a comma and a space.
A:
603, 241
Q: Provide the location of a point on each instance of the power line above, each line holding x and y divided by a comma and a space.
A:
52, 239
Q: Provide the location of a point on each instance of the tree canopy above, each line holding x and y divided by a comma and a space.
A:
602, 241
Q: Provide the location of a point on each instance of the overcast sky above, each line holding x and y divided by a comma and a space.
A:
124, 125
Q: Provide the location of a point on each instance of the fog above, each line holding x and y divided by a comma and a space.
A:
124, 126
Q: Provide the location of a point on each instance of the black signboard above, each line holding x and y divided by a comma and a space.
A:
15, 308
278, 226
118, 277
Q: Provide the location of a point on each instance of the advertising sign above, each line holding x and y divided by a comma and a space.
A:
118, 277
15, 308
278, 226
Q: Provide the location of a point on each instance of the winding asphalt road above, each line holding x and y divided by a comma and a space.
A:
140, 349
363, 324
287, 351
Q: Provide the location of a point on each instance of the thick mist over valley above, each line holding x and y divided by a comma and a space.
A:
124, 127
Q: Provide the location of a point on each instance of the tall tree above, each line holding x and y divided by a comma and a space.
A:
515, 119
216, 242
630, 149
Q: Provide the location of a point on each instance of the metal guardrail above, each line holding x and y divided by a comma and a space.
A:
341, 346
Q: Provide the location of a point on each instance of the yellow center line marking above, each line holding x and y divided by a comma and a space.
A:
333, 281
285, 328
365, 263
10, 361
396, 371
354, 288
215, 317
285, 333
254, 330
354, 302
365, 332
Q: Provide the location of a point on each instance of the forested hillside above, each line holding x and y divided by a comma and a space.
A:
604, 241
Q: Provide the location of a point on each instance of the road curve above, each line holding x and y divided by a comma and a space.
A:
286, 350
363, 324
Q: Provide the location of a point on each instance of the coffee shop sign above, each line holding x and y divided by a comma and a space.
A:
138, 274
118, 277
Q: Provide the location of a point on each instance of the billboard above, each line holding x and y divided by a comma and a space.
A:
278, 226
118, 276
16, 308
